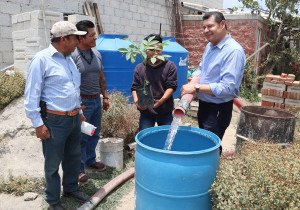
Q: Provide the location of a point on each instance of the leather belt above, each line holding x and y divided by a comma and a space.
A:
69, 113
89, 96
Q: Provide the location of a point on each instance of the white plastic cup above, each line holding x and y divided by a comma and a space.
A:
87, 128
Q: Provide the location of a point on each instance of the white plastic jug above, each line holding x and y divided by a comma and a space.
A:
87, 128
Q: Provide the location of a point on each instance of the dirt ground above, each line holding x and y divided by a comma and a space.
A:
21, 155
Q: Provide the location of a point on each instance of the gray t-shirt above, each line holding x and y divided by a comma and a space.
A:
89, 72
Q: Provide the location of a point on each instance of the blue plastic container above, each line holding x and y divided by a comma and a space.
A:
179, 179
119, 72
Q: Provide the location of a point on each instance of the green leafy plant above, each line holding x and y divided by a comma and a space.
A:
283, 21
263, 176
135, 50
248, 89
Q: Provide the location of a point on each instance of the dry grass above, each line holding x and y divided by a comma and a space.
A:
20, 185
121, 119
11, 86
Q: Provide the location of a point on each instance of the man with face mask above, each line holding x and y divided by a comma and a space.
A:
162, 77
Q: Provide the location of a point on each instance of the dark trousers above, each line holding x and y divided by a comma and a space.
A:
149, 120
215, 117
88, 143
63, 147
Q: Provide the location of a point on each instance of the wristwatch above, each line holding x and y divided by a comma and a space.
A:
197, 87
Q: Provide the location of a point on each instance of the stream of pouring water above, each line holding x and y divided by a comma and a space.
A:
172, 132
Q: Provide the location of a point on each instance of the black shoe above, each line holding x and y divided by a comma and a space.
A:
80, 196
56, 206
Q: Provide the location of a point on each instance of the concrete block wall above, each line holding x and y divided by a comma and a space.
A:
136, 18
76, 18
31, 35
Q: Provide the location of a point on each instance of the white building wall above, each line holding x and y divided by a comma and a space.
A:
136, 18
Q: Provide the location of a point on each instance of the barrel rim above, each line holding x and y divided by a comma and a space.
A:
291, 115
213, 137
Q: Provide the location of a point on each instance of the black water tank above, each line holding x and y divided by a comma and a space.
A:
265, 123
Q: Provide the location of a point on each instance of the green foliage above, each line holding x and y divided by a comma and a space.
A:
121, 119
248, 89
263, 176
20, 185
134, 50
284, 34
11, 86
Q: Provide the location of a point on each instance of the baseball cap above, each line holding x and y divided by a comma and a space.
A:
65, 28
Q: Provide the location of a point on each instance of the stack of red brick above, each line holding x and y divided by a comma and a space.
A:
281, 91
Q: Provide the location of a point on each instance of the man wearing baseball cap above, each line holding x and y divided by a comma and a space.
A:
52, 102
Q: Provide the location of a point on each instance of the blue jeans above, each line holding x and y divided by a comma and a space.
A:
62, 147
148, 120
88, 143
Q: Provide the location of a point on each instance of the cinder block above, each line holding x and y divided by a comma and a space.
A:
294, 89
272, 92
292, 102
6, 45
40, 24
24, 17
14, 19
35, 42
20, 56
293, 95
76, 18
32, 50
115, 20
272, 99
21, 34
7, 57
8, 7
132, 8
5, 19
275, 86
5, 32
133, 23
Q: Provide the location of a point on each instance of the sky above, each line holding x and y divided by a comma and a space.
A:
236, 3
231, 3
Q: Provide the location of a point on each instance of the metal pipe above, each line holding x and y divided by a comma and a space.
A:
106, 189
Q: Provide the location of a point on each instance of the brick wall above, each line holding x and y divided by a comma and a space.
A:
281, 91
243, 29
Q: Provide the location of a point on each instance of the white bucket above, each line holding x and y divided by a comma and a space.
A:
111, 152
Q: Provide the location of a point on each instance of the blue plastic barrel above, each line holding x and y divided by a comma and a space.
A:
179, 55
179, 179
119, 72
